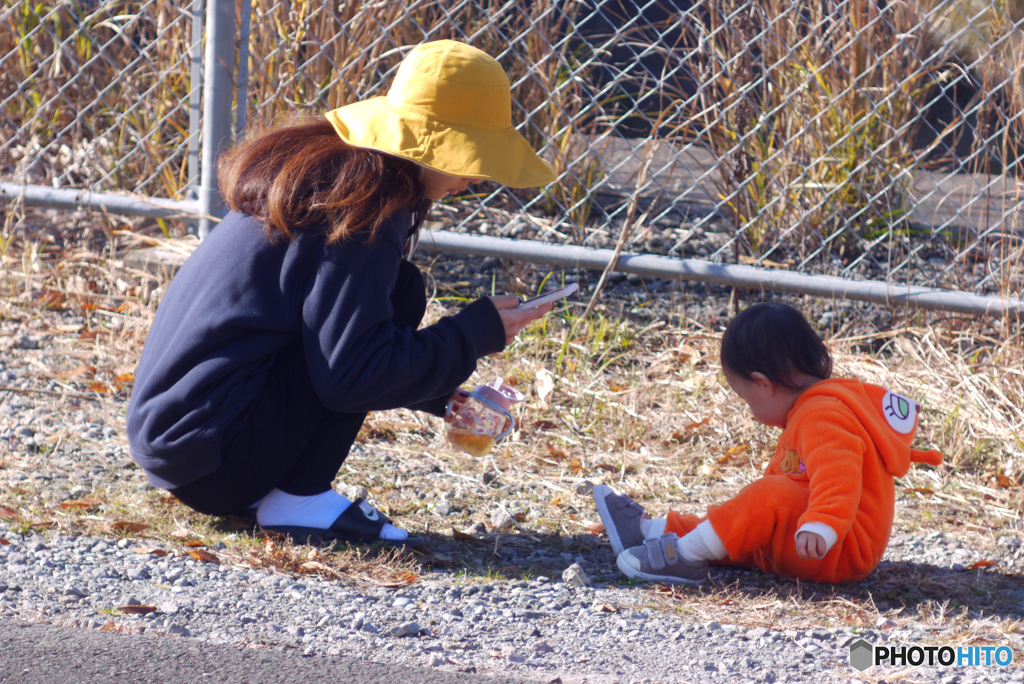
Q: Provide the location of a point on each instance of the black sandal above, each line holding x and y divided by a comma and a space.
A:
360, 523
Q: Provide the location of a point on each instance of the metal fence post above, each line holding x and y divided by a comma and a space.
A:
241, 100
217, 95
195, 104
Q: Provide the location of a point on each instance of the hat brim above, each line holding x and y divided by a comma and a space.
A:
500, 155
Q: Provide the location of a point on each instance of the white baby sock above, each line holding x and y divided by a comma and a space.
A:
652, 528
318, 511
703, 543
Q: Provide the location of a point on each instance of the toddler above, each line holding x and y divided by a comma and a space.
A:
823, 510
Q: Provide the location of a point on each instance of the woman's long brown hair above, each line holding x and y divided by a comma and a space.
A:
301, 174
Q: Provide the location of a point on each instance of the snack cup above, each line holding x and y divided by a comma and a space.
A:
483, 419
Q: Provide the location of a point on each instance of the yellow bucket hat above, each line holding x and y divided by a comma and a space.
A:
449, 109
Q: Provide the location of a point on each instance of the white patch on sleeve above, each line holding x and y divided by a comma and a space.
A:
900, 412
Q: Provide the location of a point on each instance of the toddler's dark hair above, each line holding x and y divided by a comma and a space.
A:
776, 340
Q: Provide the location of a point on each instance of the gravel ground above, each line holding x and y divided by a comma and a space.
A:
544, 629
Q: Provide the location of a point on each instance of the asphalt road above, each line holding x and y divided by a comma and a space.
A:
47, 654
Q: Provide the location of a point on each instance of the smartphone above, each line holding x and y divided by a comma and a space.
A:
550, 297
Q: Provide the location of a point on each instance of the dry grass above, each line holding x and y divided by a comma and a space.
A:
639, 406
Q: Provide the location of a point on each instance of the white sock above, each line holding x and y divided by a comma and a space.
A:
703, 543
318, 511
652, 528
389, 531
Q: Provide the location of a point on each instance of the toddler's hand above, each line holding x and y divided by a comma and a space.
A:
810, 545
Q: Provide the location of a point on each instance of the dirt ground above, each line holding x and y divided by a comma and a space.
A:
631, 396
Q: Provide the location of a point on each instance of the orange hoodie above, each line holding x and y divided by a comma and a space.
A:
846, 441
833, 473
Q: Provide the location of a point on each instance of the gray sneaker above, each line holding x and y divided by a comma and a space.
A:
621, 517
659, 560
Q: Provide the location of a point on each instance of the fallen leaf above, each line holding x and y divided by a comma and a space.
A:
195, 543
125, 526
402, 580
694, 426
919, 490
8, 514
51, 300
1003, 481
544, 384
99, 387
79, 504
608, 467
124, 379
136, 610
576, 467
151, 552
204, 556
595, 528
109, 627
461, 536
556, 453
982, 564
544, 425
4, 542
710, 471
82, 369
605, 608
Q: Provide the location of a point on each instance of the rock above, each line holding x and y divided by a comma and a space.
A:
585, 488
541, 647
489, 477
575, 576
406, 629
501, 520
477, 528
443, 508
178, 630
353, 492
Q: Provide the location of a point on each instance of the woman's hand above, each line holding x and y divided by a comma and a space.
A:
515, 319
810, 545
456, 401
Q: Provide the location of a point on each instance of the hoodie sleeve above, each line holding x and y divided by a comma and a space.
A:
832, 447
359, 360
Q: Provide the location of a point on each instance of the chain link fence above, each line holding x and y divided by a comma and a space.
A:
867, 140
97, 94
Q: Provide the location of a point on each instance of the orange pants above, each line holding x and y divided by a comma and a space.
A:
758, 528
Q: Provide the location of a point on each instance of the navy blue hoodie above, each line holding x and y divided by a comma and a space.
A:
240, 298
